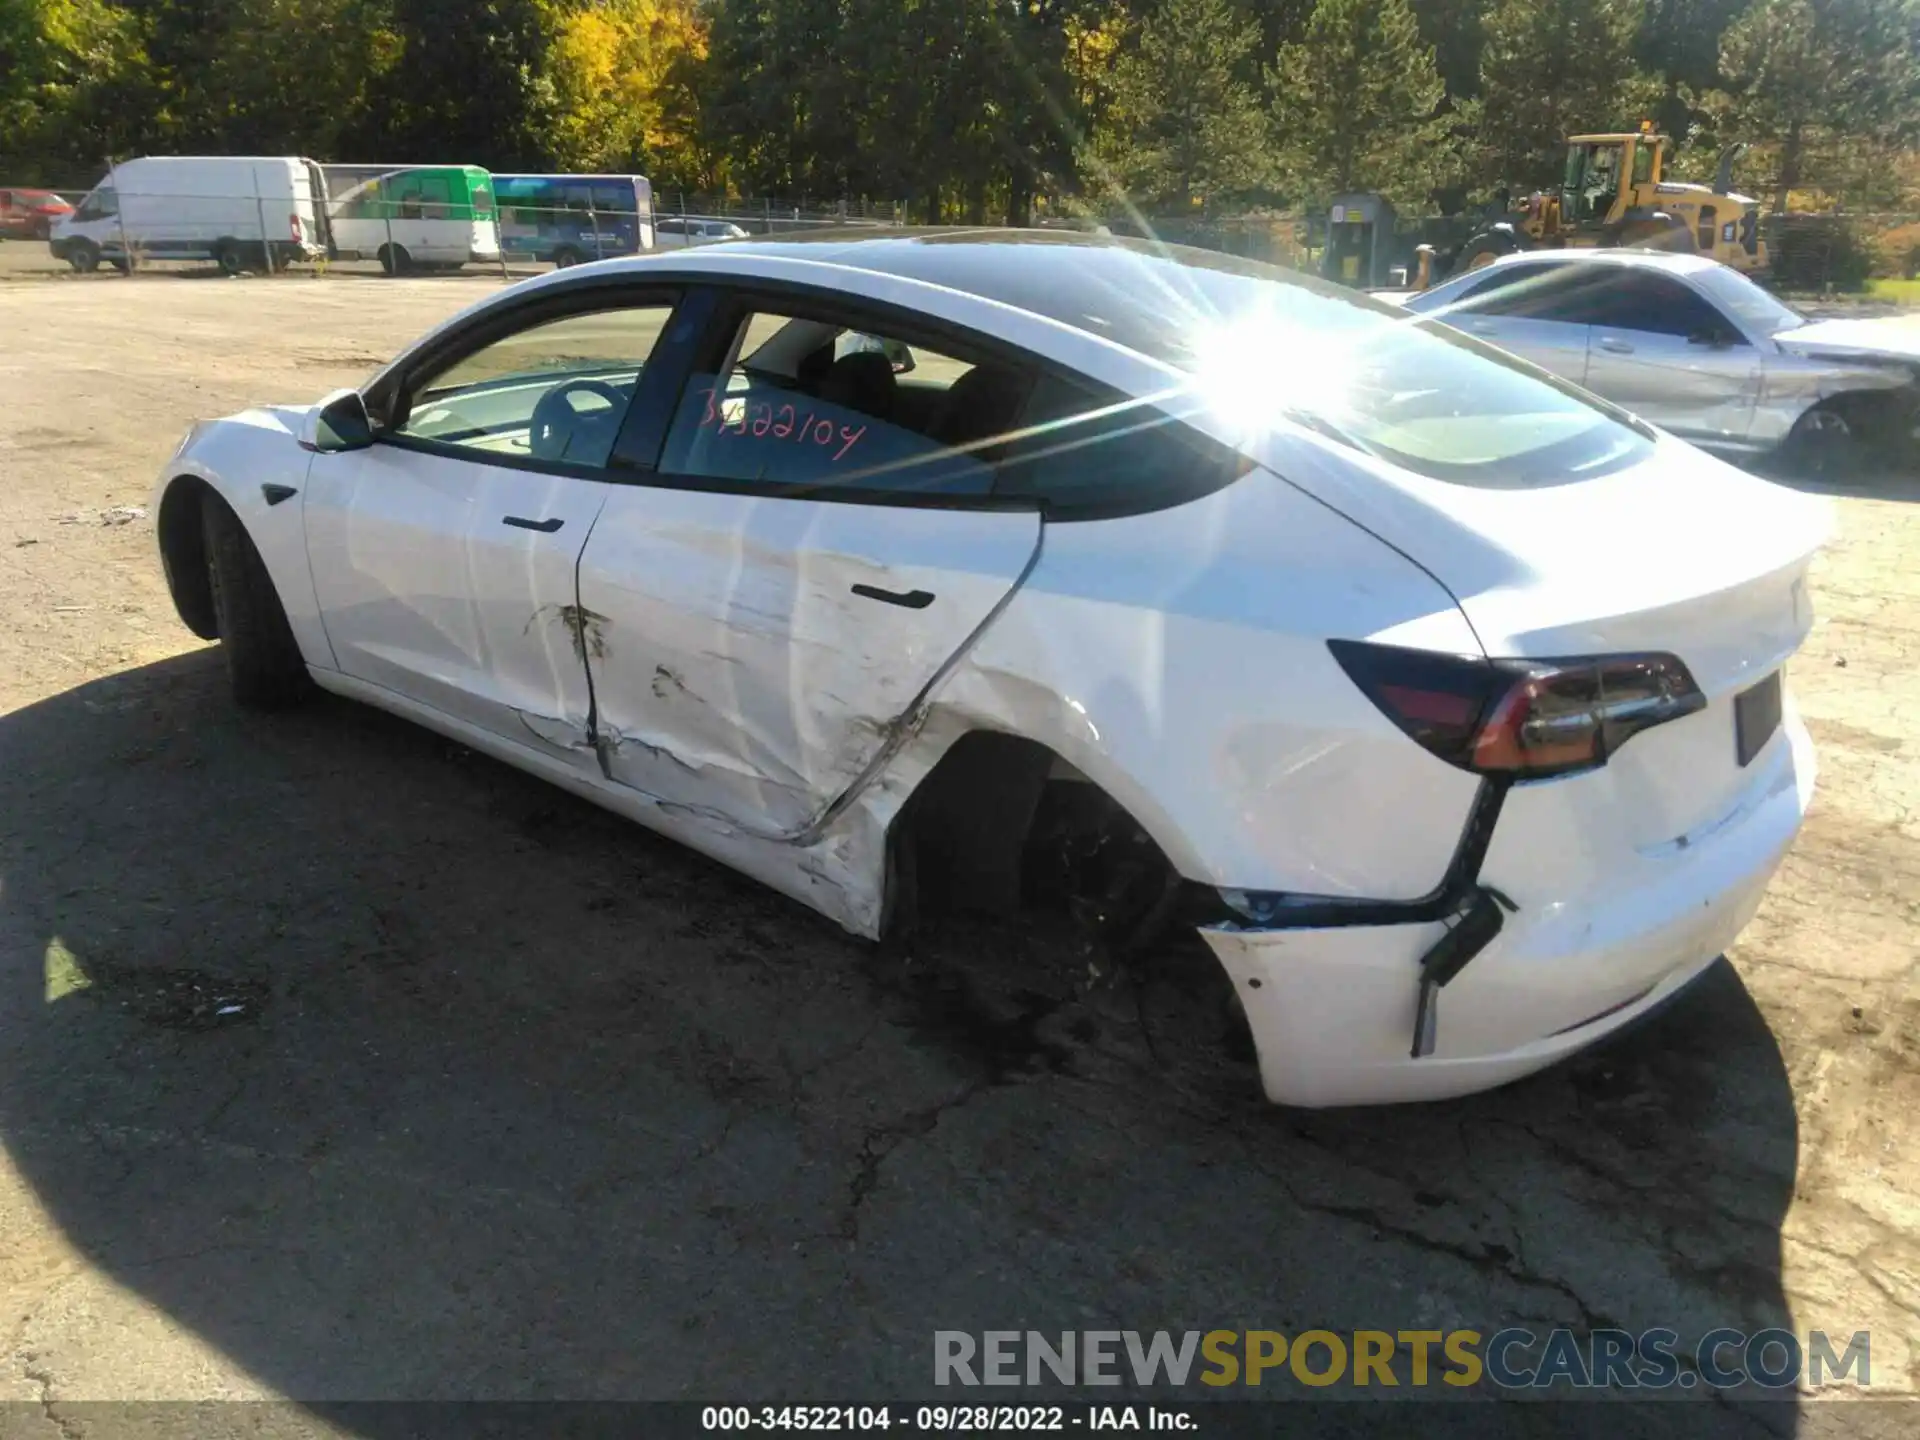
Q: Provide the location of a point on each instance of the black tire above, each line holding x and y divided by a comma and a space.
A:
395, 260
228, 257
1826, 441
83, 256
1482, 250
263, 659
566, 257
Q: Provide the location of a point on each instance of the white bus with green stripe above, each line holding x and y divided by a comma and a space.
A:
412, 217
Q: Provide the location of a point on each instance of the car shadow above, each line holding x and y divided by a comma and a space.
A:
388, 1072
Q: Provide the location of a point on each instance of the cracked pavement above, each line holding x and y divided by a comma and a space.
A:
379, 1070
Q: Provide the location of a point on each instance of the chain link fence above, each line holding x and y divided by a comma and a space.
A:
411, 219
422, 219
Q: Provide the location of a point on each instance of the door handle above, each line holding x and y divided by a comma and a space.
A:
910, 599
1615, 347
520, 522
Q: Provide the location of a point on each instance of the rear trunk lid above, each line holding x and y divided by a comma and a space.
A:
1680, 553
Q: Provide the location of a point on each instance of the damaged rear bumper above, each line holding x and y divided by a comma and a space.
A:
1331, 1009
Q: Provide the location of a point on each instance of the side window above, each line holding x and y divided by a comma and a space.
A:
1085, 452
102, 203
1553, 291
1660, 305
1502, 288
555, 391
810, 403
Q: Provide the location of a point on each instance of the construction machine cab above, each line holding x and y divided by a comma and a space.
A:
1607, 175
1614, 191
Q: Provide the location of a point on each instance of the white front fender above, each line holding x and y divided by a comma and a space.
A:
252, 461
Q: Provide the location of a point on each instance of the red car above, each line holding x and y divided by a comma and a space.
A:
29, 214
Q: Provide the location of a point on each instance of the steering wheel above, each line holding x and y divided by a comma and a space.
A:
556, 424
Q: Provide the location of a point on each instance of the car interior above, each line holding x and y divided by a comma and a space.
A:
572, 415
927, 404
956, 403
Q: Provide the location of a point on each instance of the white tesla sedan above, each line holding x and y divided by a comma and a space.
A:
1444, 701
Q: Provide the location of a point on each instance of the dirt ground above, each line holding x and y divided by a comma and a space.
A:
338, 1063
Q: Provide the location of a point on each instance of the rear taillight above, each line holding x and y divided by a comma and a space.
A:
1525, 719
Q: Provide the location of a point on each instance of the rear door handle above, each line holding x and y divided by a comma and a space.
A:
1615, 346
910, 599
520, 522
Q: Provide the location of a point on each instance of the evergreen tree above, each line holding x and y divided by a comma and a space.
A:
1551, 68
1181, 121
1839, 72
1358, 104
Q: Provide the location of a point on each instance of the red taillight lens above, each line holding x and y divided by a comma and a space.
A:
1522, 718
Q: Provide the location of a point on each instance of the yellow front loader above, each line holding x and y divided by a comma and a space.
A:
1614, 192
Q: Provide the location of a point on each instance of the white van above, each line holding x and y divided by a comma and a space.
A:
241, 211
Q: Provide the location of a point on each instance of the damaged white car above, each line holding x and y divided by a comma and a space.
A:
1444, 702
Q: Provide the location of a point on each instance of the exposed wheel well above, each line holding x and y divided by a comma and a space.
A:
1881, 419
1003, 824
1076, 894
183, 552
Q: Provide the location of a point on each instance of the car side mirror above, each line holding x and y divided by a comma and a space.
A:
339, 422
899, 356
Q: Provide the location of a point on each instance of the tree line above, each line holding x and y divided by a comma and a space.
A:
980, 109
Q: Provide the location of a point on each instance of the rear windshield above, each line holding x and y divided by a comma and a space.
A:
1415, 393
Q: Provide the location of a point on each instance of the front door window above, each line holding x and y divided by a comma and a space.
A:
554, 392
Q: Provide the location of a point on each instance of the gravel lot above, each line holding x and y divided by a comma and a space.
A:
520, 1102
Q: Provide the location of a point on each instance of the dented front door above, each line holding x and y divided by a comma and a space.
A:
755, 654
450, 582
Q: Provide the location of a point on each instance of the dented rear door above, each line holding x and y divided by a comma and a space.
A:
755, 653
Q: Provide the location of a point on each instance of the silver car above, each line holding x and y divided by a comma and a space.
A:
678, 231
1697, 349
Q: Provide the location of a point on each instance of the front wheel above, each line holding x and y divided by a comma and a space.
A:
263, 659
395, 260
84, 257
566, 257
1825, 441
